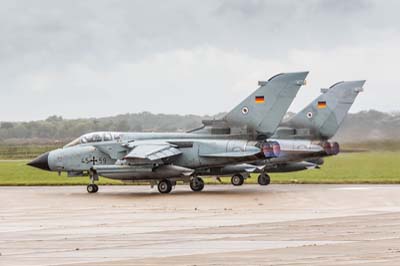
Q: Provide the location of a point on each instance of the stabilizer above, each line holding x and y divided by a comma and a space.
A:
263, 110
325, 114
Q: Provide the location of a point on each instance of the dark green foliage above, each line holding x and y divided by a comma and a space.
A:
360, 127
55, 128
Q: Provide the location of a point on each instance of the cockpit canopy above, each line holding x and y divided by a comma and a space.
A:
95, 137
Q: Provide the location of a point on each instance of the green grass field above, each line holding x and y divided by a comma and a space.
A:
368, 167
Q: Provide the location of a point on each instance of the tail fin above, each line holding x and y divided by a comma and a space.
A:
264, 109
325, 114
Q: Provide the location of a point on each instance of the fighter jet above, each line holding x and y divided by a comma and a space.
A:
165, 158
303, 139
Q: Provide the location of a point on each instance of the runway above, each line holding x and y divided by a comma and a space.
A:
223, 225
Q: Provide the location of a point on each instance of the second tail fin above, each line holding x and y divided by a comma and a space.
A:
325, 114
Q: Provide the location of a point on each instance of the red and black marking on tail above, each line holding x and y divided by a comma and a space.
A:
322, 104
259, 99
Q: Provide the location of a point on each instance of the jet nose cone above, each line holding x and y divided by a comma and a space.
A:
41, 162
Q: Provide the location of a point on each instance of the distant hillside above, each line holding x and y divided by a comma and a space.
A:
370, 126
55, 128
362, 126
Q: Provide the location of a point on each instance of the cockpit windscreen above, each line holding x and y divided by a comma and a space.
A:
95, 137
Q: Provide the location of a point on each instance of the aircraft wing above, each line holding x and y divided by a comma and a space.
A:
152, 152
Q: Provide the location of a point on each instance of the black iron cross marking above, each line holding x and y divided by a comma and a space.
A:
93, 160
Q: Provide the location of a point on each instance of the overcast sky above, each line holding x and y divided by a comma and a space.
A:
100, 58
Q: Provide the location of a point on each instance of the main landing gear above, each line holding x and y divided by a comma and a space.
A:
197, 184
237, 180
92, 187
164, 186
264, 179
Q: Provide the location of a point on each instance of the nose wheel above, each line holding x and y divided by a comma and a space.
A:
92, 188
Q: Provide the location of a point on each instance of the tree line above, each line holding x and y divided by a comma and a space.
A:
365, 125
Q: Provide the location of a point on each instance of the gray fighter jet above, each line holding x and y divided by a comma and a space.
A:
303, 139
165, 158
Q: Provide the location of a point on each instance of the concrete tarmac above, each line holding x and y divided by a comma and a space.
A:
223, 225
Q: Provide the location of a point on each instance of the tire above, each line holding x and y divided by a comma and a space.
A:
196, 184
237, 180
264, 180
164, 186
91, 188
96, 188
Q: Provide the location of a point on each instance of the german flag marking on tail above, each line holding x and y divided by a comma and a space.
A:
260, 99
321, 104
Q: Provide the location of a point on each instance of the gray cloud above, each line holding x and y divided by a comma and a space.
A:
344, 6
248, 9
96, 57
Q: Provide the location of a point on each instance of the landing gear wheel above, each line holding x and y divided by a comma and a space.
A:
197, 184
237, 180
92, 188
264, 180
164, 186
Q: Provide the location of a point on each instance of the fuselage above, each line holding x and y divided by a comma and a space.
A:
102, 150
99, 149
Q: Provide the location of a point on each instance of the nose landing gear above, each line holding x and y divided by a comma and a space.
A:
92, 187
